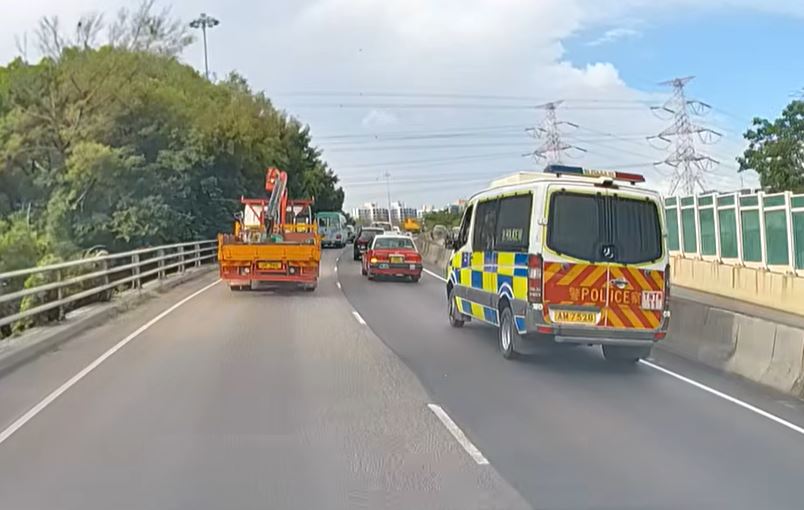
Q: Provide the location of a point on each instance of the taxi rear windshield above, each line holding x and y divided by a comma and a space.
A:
601, 228
392, 243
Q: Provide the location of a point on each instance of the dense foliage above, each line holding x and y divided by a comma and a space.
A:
123, 145
444, 217
776, 150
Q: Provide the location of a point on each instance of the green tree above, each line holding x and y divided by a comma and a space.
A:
776, 150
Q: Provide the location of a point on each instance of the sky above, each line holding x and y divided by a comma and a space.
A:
433, 99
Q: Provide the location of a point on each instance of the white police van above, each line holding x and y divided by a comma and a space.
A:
568, 255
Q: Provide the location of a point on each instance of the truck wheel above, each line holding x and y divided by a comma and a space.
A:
624, 354
455, 318
507, 331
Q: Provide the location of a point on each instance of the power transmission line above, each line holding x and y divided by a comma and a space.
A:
689, 166
553, 147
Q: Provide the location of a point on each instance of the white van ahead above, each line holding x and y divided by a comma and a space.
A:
569, 255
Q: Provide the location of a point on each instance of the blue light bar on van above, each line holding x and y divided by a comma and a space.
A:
592, 172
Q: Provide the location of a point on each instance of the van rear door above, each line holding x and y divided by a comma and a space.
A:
604, 259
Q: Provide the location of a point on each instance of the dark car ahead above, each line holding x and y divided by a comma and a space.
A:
363, 240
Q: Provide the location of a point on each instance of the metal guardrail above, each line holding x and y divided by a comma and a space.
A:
103, 273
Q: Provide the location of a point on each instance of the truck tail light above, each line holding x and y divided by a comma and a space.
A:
535, 266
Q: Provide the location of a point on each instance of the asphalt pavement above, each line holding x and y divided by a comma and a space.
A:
233, 400
360, 395
570, 431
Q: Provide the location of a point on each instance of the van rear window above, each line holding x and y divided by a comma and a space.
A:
600, 228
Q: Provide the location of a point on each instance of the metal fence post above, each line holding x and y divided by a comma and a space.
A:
716, 216
160, 253
135, 271
60, 295
197, 255
762, 235
791, 238
182, 267
738, 216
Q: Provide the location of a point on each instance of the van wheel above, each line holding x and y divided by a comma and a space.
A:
506, 332
455, 318
625, 355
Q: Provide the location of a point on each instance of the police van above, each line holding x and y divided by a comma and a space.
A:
568, 255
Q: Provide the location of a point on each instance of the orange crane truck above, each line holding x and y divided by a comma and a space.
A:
275, 241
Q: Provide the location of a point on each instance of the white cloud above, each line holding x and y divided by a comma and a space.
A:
379, 118
615, 34
453, 47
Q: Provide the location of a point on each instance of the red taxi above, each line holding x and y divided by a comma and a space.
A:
392, 256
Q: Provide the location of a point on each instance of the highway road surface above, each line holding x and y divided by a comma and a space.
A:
360, 395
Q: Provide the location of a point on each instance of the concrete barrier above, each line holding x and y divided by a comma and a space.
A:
779, 291
762, 350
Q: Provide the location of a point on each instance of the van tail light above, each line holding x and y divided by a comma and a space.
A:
667, 287
535, 266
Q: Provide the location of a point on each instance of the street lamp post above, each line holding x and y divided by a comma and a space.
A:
203, 22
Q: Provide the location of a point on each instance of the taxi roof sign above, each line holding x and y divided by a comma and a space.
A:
592, 172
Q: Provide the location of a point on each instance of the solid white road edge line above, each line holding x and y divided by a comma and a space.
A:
434, 275
358, 318
728, 398
735, 401
25, 418
458, 434
338, 284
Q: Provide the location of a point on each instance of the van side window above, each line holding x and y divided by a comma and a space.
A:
485, 224
513, 223
463, 233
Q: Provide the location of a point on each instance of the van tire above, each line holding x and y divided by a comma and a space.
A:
625, 355
455, 318
506, 333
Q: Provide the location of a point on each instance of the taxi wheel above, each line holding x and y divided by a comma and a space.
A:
506, 333
455, 318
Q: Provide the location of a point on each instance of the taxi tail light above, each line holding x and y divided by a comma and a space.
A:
535, 267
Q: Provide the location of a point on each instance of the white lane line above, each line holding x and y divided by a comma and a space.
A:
336, 269
434, 275
358, 318
700, 386
25, 418
458, 434
338, 284
729, 398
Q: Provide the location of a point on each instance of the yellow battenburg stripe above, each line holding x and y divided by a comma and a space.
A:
477, 311
456, 260
573, 273
593, 276
466, 277
490, 282
477, 260
520, 285
505, 259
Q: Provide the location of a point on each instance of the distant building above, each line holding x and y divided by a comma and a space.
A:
400, 212
457, 207
425, 209
370, 212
